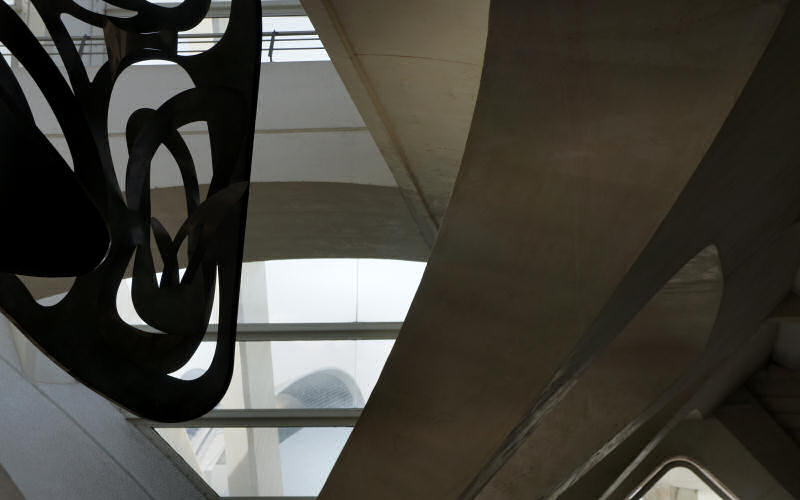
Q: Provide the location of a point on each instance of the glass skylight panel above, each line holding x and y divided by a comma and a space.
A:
286, 23
316, 378
307, 373
311, 290
341, 290
287, 461
324, 374
386, 288
317, 291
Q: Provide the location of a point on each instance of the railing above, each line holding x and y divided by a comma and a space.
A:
272, 44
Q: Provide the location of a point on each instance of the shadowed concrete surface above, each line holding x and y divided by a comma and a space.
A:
610, 144
667, 335
765, 437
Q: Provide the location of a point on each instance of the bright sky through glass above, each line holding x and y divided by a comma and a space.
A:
284, 375
318, 291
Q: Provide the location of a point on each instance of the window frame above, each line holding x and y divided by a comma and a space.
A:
704, 475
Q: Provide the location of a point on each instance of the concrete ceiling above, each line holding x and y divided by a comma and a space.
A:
412, 69
620, 227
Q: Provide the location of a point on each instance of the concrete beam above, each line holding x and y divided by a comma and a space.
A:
328, 26
667, 336
412, 69
610, 476
544, 258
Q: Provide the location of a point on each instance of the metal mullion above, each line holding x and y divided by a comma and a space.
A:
268, 332
322, 417
270, 498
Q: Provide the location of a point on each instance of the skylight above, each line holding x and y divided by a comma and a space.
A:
330, 325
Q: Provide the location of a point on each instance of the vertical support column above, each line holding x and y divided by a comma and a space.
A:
253, 455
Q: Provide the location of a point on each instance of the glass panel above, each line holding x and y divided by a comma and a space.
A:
386, 288
289, 461
314, 291
340, 290
298, 374
680, 483
286, 23
311, 290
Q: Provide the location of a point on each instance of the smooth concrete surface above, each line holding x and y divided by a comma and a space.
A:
412, 69
608, 474
749, 176
301, 220
589, 123
64, 441
668, 335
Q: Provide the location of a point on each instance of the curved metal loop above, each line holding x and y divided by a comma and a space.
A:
84, 332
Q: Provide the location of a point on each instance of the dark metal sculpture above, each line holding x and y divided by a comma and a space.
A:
56, 222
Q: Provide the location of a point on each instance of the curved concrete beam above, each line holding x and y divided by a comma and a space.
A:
412, 69
589, 122
667, 336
